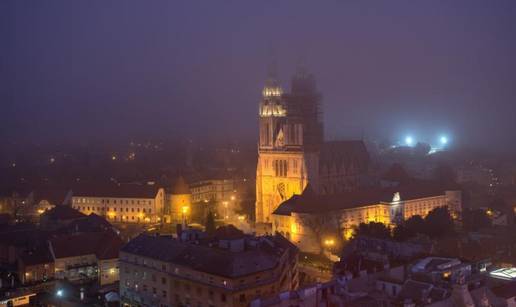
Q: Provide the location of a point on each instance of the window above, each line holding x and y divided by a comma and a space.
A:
242, 297
223, 297
163, 281
280, 168
164, 294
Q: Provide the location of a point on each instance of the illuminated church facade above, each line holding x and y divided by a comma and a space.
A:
292, 152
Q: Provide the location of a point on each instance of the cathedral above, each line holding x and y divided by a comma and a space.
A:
292, 152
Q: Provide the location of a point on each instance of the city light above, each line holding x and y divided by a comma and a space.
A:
409, 141
329, 242
59, 292
293, 228
444, 140
184, 209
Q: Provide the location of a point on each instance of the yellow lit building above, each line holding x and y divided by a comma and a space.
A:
344, 211
129, 203
291, 150
180, 202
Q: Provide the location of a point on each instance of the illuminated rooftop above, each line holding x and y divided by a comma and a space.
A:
504, 273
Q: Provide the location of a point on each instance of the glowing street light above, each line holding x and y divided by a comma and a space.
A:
409, 141
329, 242
59, 292
443, 140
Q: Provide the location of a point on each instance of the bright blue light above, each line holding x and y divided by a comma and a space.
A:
444, 140
59, 293
409, 140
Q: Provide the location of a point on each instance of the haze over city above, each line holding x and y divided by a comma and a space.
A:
96, 70
258, 154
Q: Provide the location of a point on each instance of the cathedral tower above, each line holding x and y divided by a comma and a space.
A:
288, 143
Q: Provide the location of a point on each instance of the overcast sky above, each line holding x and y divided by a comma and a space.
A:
108, 69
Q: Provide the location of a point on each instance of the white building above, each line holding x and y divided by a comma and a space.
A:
129, 203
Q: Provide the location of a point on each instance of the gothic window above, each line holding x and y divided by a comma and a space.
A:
280, 168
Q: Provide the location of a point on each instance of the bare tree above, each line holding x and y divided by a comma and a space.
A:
320, 224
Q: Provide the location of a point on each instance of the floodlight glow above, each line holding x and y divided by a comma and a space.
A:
444, 140
504, 273
59, 293
409, 140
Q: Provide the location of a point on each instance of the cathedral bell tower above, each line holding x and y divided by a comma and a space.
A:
280, 169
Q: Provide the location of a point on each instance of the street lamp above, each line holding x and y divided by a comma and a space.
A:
329, 242
184, 211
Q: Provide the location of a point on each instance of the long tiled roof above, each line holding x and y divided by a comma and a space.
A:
211, 260
116, 191
63, 212
310, 202
105, 245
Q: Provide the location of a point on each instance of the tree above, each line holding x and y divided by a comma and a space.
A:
415, 224
373, 229
473, 220
422, 149
438, 223
410, 228
210, 223
320, 224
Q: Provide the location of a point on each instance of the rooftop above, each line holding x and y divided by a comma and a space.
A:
116, 191
310, 202
104, 245
259, 254
62, 212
